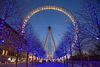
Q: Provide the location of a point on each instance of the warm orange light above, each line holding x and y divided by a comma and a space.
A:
34, 58
3, 52
7, 52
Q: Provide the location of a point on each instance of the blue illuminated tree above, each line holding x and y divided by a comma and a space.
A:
61, 50
9, 9
89, 22
33, 44
65, 45
12, 38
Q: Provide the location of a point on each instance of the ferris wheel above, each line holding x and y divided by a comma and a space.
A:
52, 7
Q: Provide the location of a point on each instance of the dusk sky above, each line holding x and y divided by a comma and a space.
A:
59, 22
51, 31
39, 22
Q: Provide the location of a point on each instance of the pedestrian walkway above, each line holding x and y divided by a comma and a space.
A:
36, 65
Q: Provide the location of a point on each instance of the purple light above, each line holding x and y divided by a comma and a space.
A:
97, 38
2, 40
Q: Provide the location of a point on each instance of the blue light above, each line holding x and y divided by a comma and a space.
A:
1, 24
10, 6
1, 28
2, 21
0, 41
7, 32
99, 22
95, 16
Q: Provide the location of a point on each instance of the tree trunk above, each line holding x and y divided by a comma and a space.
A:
81, 57
32, 59
71, 57
16, 59
27, 60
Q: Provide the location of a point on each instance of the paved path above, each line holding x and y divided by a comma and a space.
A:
35, 65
